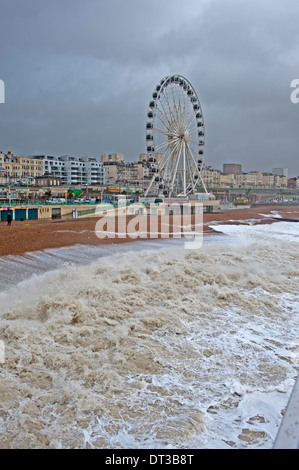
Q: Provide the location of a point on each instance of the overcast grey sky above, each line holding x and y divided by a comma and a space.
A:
79, 75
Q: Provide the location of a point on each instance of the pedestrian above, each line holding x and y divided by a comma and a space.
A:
9, 219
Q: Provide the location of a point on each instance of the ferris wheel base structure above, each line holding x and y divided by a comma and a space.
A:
175, 140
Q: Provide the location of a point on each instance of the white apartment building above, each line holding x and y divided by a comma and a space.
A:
74, 170
280, 172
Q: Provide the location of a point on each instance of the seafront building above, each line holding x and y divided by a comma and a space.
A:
112, 157
74, 170
16, 169
252, 179
119, 171
113, 170
138, 173
71, 170
293, 183
280, 172
232, 168
47, 186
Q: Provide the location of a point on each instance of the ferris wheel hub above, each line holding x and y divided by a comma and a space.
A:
186, 136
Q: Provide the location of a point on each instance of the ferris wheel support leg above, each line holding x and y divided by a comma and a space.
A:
184, 170
149, 187
178, 147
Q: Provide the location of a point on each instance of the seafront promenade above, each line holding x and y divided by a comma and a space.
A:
32, 235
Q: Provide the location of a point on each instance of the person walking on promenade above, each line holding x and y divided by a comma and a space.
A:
8, 219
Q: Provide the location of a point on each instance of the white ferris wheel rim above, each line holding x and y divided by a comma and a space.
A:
173, 117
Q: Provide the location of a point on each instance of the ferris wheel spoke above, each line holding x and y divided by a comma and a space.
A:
166, 170
188, 112
183, 110
193, 169
192, 130
175, 105
163, 109
198, 171
150, 185
163, 144
191, 186
185, 106
190, 170
179, 106
191, 120
168, 160
166, 123
169, 107
171, 153
192, 113
176, 161
189, 158
192, 153
160, 131
194, 159
164, 112
176, 168
175, 128
193, 141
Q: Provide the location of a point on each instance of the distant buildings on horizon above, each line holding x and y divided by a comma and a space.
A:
112, 169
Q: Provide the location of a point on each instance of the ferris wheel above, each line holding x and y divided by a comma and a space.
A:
175, 139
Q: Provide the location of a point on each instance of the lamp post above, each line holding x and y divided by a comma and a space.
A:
9, 199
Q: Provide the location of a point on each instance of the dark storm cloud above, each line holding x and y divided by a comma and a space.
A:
79, 75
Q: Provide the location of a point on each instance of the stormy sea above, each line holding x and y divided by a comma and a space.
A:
149, 344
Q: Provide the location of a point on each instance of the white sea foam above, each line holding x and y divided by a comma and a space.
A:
153, 348
284, 231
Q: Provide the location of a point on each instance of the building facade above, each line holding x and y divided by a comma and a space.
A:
227, 180
232, 168
47, 181
121, 172
74, 170
293, 183
112, 157
210, 176
15, 169
280, 172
